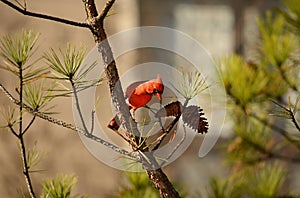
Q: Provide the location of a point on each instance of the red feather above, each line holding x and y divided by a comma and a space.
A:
139, 94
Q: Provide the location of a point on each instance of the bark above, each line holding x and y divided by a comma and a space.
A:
162, 183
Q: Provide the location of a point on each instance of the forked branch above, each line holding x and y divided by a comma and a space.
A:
24, 11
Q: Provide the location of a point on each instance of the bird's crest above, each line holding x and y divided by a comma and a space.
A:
158, 79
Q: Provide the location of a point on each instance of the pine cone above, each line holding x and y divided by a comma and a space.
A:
172, 109
193, 117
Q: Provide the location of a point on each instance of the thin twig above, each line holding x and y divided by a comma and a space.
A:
171, 126
78, 106
29, 125
93, 122
74, 90
26, 167
167, 131
13, 130
20, 4
294, 121
176, 147
105, 10
289, 111
44, 16
21, 137
269, 153
128, 140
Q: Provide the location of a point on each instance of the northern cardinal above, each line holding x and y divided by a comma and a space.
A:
138, 94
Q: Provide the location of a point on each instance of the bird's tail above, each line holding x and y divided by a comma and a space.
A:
114, 123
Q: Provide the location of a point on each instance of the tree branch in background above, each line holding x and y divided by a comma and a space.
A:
268, 153
285, 78
44, 16
277, 129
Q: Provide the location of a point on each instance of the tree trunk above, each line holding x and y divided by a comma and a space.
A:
162, 183
157, 176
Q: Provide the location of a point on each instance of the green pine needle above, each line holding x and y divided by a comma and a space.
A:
220, 188
243, 82
191, 84
267, 179
67, 66
9, 116
66, 63
17, 49
289, 111
276, 45
38, 96
34, 157
60, 187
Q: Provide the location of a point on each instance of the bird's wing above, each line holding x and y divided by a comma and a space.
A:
130, 89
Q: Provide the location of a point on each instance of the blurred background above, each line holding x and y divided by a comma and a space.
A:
222, 26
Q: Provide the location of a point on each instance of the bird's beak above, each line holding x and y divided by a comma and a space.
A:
158, 95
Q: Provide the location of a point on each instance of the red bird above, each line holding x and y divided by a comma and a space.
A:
138, 94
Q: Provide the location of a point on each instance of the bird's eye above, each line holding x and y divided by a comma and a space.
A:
155, 91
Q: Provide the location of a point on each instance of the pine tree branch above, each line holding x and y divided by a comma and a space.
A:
26, 167
21, 137
277, 129
29, 125
78, 106
45, 16
269, 154
295, 121
70, 126
13, 130
289, 112
286, 79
